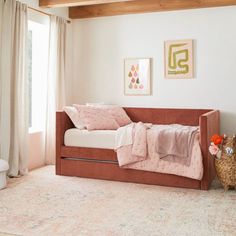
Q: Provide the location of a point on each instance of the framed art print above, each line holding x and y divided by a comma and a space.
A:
137, 76
179, 59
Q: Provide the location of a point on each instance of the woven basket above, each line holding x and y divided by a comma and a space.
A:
226, 165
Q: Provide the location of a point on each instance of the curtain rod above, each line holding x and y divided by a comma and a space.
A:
68, 21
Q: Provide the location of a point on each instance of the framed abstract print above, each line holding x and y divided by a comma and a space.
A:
137, 76
179, 59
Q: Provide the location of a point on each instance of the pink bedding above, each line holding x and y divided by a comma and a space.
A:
143, 154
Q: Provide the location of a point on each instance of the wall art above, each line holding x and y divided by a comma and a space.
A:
179, 59
137, 76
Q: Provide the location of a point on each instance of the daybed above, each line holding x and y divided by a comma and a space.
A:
100, 163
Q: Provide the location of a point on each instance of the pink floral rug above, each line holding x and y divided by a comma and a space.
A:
42, 203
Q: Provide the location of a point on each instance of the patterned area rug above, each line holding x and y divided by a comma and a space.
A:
45, 204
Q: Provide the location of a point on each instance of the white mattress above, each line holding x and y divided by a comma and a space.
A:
91, 139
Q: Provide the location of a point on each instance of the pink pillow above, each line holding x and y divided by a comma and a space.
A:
120, 115
117, 112
96, 119
74, 116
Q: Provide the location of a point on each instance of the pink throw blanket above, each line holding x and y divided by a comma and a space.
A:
175, 142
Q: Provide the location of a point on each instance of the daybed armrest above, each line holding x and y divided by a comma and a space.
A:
63, 123
209, 125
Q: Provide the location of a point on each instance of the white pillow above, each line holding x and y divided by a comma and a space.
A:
74, 116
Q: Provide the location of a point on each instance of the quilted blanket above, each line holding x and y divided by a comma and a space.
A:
172, 149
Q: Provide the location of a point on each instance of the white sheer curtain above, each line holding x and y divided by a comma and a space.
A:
13, 86
56, 82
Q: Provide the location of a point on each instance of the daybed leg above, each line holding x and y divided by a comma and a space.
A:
58, 157
58, 166
60, 127
204, 186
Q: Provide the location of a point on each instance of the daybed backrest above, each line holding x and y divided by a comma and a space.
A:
165, 116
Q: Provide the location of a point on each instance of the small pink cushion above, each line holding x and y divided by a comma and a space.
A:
96, 119
117, 112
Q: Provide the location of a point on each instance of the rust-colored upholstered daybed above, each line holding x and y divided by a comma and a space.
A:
100, 163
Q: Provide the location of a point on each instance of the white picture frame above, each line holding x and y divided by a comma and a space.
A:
137, 76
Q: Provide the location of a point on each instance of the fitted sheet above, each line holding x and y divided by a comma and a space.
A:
90, 139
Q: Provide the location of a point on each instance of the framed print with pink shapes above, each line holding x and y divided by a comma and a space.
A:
137, 76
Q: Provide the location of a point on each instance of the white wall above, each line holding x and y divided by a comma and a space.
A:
100, 46
36, 150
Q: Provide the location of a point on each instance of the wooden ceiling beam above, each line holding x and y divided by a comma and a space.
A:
70, 3
143, 6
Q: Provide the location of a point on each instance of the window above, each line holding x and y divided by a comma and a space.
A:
38, 35
30, 75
